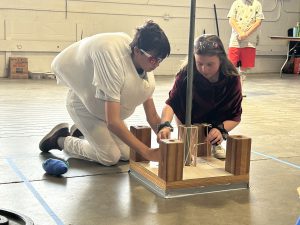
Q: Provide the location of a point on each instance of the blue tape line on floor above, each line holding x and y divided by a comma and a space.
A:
298, 221
34, 192
278, 160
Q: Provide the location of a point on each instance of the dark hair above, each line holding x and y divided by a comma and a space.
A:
211, 45
150, 37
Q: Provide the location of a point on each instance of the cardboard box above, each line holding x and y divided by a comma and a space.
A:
18, 68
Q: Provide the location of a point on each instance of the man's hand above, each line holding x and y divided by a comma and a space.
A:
164, 133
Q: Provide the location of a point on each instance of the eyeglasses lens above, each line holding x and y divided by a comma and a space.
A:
152, 59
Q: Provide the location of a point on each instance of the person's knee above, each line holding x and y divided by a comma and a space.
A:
125, 153
107, 155
110, 159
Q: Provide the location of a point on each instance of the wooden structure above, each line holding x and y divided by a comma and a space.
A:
170, 178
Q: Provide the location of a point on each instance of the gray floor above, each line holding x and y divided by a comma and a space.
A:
90, 194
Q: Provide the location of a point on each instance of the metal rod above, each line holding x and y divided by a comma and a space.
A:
66, 9
216, 17
190, 72
190, 75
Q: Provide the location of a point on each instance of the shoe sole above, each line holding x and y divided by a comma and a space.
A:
51, 133
75, 130
218, 157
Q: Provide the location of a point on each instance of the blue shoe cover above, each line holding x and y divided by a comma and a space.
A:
55, 167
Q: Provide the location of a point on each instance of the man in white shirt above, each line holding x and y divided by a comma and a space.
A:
109, 75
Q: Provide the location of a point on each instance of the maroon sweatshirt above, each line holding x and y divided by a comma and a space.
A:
212, 103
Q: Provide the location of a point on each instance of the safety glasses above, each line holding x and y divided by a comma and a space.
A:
152, 59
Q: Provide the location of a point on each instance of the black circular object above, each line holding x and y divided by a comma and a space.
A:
3, 220
13, 218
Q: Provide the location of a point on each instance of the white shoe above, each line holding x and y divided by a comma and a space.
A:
218, 152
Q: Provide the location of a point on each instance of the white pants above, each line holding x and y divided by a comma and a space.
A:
99, 144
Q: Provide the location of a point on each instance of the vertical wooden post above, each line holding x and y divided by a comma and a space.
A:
143, 133
204, 147
238, 152
171, 160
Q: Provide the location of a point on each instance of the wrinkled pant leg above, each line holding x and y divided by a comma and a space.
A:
99, 144
124, 149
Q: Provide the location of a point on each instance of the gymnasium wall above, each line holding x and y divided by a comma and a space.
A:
40, 29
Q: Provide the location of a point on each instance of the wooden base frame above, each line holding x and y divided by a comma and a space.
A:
169, 177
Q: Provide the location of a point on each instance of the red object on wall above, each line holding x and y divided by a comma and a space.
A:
297, 66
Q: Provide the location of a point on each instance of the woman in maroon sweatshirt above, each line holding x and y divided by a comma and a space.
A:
217, 94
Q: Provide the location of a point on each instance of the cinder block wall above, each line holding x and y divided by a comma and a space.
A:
40, 29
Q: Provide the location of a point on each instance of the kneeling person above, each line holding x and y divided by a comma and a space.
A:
217, 95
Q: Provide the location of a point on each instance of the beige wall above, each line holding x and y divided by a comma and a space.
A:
39, 29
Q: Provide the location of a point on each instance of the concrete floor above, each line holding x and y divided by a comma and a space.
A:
91, 194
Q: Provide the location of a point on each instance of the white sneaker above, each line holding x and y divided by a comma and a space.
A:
218, 152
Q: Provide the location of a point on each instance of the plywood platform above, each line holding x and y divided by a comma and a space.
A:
208, 176
171, 177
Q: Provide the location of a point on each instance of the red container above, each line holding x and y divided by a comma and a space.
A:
297, 66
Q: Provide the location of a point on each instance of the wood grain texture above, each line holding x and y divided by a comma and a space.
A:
141, 168
238, 152
171, 160
204, 147
194, 178
143, 133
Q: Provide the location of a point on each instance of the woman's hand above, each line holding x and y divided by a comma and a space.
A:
164, 133
214, 136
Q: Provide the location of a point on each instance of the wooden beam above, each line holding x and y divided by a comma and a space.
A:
238, 153
171, 160
142, 133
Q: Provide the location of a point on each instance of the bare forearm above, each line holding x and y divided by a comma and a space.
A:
117, 126
233, 23
253, 27
230, 124
120, 130
152, 117
167, 114
154, 122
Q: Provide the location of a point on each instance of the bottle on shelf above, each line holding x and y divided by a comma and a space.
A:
296, 30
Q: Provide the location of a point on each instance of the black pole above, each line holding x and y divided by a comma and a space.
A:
189, 89
66, 9
190, 72
216, 18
